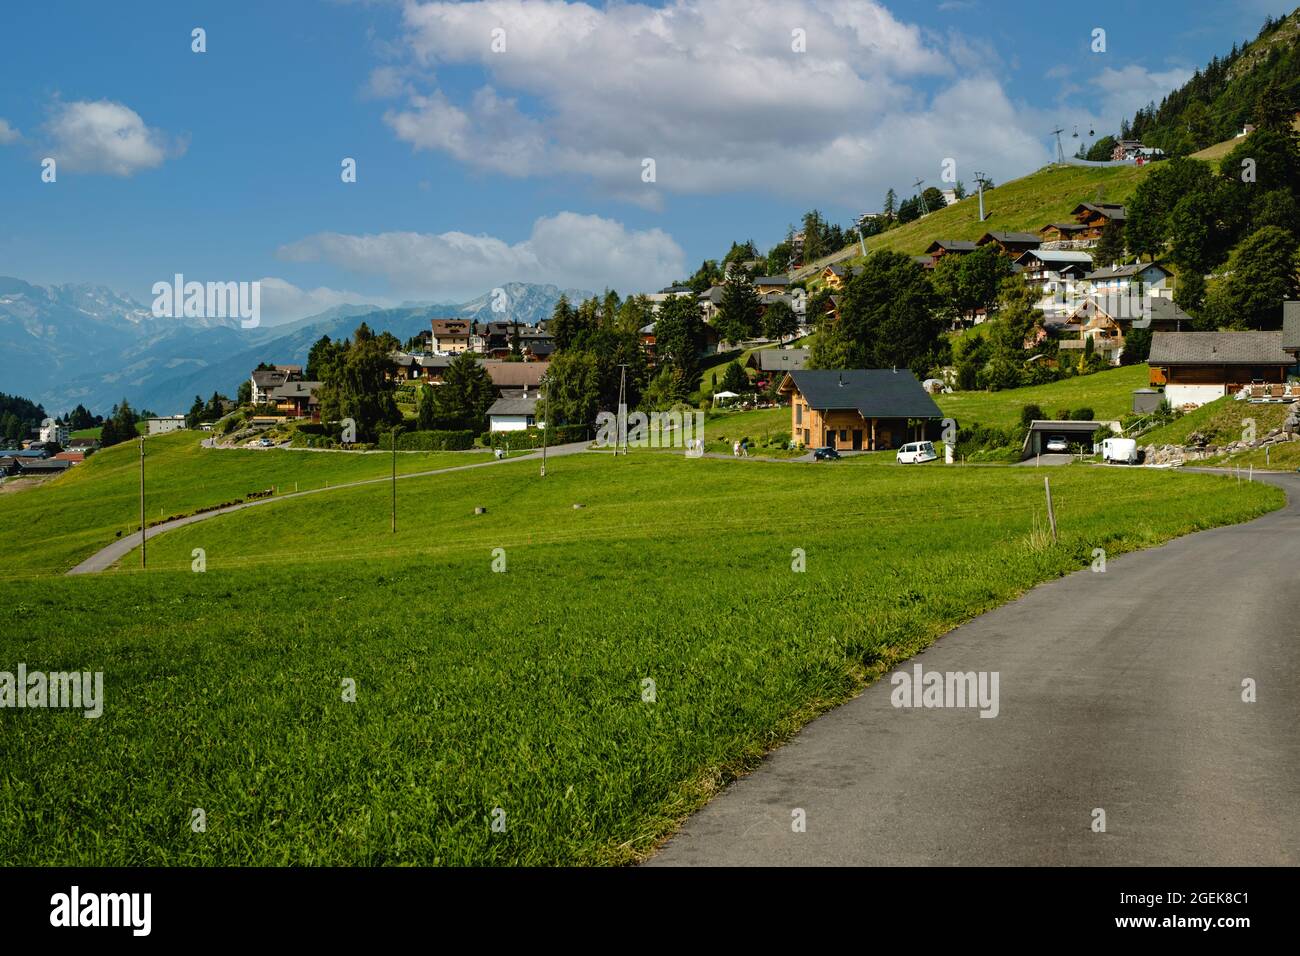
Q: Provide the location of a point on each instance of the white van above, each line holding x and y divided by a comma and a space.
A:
915, 453
1123, 451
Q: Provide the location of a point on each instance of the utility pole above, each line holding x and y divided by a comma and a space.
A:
862, 241
979, 181
142, 539
546, 424
925, 209
620, 437
396, 430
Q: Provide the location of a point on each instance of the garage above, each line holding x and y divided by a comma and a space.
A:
1042, 431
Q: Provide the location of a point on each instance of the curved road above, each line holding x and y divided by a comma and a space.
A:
1120, 691
104, 559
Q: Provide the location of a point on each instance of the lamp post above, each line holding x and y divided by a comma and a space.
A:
546, 424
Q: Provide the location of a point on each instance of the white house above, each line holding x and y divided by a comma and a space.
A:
1146, 278
55, 431
163, 425
1059, 276
513, 413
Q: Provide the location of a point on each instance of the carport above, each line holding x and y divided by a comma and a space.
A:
1075, 433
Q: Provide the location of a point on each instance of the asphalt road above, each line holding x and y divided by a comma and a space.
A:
1119, 691
105, 558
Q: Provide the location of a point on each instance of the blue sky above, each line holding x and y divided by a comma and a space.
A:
477, 166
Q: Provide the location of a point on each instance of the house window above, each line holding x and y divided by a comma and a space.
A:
798, 413
844, 434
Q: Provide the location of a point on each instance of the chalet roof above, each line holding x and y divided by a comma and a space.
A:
449, 327
779, 360
771, 280
514, 405
1010, 238
1126, 272
950, 245
1114, 211
294, 390
1218, 348
77, 444
873, 392
712, 294
1291, 325
433, 361
516, 374
1056, 257
1064, 227
1166, 310
44, 464
269, 378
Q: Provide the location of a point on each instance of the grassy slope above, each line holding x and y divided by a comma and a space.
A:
1021, 205
1220, 421
1219, 150
520, 690
54, 525
1109, 394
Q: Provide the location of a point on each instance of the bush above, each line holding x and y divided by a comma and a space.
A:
434, 440
1081, 415
1029, 413
532, 438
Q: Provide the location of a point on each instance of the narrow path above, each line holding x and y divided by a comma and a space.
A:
105, 558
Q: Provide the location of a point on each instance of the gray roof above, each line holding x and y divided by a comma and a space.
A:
873, 392
1291, 324
514, 405
1057, 257
953, 245
1218, 348
1128, 271
771, 280
780, 360
1014, 238
1113, 211
1166, 310
294, 390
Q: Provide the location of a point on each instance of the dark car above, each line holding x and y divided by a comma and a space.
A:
826, 454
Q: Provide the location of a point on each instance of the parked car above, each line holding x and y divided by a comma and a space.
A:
1122, 451
265, 443
1057, 443
915, 453
826, 454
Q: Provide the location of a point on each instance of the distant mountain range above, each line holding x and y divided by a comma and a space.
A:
68, 344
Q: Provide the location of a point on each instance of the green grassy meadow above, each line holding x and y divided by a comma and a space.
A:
525, 690
58, 523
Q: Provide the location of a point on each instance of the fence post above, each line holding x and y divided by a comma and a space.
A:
1051, 515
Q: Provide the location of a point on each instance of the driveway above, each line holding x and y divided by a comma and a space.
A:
1118, 691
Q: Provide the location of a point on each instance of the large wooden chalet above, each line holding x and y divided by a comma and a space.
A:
863, 409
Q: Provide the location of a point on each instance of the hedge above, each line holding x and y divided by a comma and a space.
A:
532, 438
439, 440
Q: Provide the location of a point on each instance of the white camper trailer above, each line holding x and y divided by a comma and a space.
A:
1121, 451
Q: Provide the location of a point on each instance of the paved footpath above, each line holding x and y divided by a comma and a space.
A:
104, 559
1120, 691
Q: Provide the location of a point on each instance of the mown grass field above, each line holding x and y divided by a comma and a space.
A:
524, 690
54, 525
1109, 394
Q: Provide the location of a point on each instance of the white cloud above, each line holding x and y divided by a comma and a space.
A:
567, 249
283, 301
1126, 90
105, 137
713, 92
7, 133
